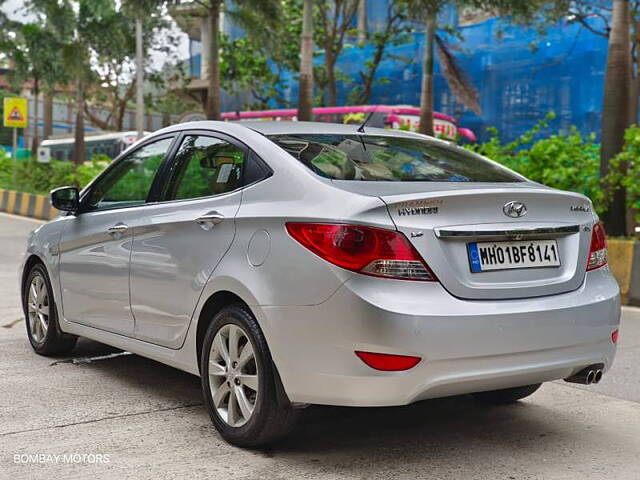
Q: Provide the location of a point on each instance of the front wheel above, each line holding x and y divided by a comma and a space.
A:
508, 395
43, 329
239, 382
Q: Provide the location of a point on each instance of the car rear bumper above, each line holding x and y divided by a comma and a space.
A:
465, 346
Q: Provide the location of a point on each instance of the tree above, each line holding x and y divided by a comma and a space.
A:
35, 54
622, 79
245, 66
395, 28
305, 103
79, 27
244, 13
118, 77
362, 22
615, 118
335, 19
426, 85
111, 84
426, 11
332, 21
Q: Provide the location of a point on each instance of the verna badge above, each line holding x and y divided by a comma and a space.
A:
514, 209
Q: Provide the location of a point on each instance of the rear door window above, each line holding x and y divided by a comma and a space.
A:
387, 158
207, 165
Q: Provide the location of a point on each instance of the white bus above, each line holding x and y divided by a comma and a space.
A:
110, 144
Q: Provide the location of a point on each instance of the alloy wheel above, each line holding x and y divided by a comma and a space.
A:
233, 375
38, 309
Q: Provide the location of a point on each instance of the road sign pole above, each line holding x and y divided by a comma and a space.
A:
14, 150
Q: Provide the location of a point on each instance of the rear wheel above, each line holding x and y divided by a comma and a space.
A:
239, 382
43, 329
508, 395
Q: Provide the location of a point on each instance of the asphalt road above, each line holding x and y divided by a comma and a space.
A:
147, 420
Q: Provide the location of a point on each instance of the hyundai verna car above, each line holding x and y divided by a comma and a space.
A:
290, 264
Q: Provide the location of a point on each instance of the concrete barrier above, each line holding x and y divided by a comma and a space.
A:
634, 285
26, 204
624, 262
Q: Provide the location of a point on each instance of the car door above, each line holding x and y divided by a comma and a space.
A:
185, 235
95, 244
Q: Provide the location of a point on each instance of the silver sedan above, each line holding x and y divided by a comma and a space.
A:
289, 264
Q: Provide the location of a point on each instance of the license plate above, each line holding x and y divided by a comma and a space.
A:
486, 256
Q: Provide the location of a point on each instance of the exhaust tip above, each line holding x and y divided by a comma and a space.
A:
588, 375
597, 377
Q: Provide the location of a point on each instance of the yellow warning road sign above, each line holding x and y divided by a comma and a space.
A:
15, 112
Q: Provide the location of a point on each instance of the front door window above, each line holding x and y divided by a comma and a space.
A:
128, 183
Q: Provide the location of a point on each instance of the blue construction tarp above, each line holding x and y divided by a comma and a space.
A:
521, 75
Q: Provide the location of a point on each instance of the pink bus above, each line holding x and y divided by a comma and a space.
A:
399, 117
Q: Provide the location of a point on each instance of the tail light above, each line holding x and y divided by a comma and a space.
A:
367, 250
388, 362
598, 249
614, 335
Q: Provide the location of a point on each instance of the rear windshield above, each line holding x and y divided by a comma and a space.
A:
368, 157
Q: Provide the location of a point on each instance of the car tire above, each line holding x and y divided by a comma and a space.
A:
241, 387
506, 396
41, 315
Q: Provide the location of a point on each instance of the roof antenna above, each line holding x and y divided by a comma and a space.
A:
366, 120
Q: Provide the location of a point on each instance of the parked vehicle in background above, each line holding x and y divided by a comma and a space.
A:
110, 144
400, 117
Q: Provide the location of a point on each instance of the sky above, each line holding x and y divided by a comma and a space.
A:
16, 11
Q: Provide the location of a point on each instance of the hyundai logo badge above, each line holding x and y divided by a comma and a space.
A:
515, 209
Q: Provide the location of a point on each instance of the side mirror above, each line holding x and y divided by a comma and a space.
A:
65, 199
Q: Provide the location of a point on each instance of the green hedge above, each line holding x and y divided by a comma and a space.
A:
570, 161
28, 175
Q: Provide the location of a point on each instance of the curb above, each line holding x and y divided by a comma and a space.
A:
26, 205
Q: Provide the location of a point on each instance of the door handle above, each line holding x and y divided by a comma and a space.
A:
119, 228
211, 218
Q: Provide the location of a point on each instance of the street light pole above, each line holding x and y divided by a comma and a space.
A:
139, 79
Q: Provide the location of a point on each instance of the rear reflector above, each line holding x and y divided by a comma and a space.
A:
598, 249
387, 362
368, 250
614, 336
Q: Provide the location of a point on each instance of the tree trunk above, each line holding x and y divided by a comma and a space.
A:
48, 114
78, 150
212, 109
34, 140
615, 110
332, 90
362, 22
139, 79
119, 119
634, 70
634, 91
426, 92
305, 98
